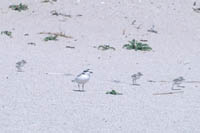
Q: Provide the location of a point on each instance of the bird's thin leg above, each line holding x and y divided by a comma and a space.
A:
174, 88
83, 87
133, 81
78, 86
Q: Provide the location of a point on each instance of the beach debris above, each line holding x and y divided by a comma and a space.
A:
136, 77
133, 22
72, 47
168, 93
123, 31
55, 73
20, 65
105, 47
195, 8
137, 46
55, 35
113, 92
177, 83
139, 26
152, 29
20, 7
54, 12
143, 40
8, 33
116, 81
31, 43
49, 1
79, 15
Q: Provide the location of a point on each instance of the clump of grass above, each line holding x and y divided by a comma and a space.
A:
113, 92
51, 38
19, 7
137, 46
8, 33
105, 47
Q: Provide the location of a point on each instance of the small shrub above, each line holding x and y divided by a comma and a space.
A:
113, 92
137, 46
50, 38
19, 7
105, 47
8, 33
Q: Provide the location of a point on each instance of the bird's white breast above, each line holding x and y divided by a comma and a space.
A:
82, 79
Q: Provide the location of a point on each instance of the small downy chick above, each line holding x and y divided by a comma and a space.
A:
136, 77
20, 64
177, 82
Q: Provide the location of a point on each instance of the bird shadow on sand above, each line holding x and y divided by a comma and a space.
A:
79, 90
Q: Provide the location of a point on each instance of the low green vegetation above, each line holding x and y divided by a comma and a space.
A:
51, 38
113, 92
20, 7
137, 46
8, 33
105, 47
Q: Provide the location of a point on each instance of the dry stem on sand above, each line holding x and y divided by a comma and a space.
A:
56, 34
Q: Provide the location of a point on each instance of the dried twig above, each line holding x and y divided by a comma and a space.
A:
54, 12
168, 93
164, 81
72, 47
56, 34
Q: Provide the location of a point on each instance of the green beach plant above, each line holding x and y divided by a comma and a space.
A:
137, 46
105, 47
8, 33
51, 38
113, 92
19, 7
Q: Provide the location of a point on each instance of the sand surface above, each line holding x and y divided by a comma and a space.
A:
35, 102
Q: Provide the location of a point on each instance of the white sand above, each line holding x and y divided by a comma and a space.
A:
34, 102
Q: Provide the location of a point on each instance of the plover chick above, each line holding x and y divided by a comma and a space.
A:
20, 64
136, 77
177, 82
82, 78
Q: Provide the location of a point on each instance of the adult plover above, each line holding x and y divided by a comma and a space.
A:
83, 78
177, 82
136, 77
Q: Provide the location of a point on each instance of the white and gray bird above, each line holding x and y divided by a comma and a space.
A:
20, 64
177, 82
136, 77
83, 78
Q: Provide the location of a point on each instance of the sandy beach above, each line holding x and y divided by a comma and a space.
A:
40, 97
